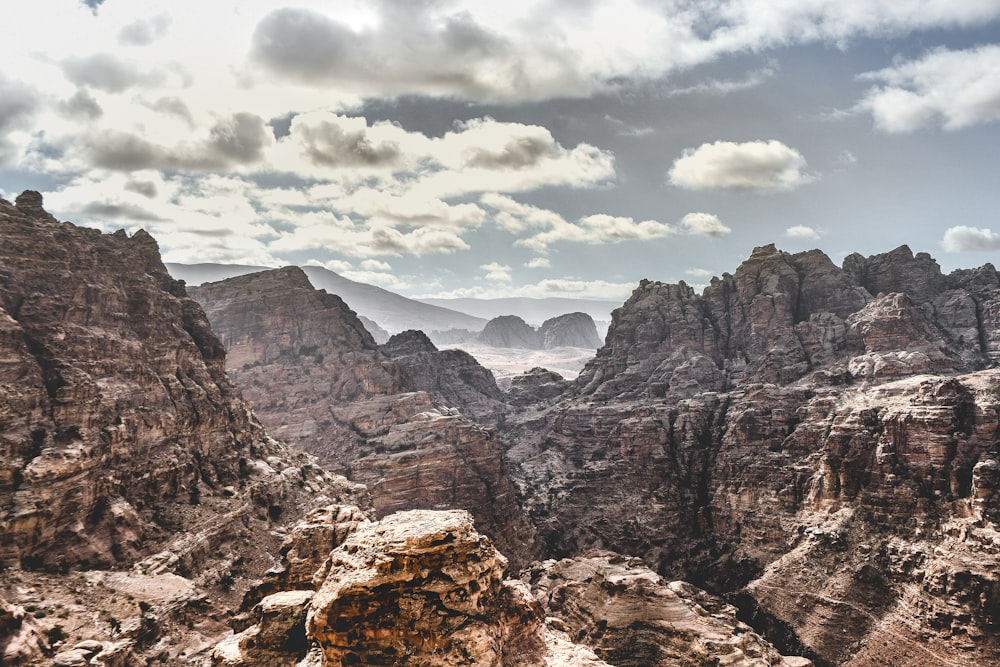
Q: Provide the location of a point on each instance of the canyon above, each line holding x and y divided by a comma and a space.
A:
796, 466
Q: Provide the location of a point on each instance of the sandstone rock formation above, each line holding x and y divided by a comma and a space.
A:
125, 444
453, 377
424, 588
824, 450
114, 403
509, 331
569, 330
633, 618
317, 379
538, 385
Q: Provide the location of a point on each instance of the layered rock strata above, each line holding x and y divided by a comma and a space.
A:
316, 377
125, 445
424, 588
453, 377
794, 436
633, 618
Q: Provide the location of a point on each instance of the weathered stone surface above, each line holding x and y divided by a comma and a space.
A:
536, 386
569, 330
116, 414
352, 405
124, 444
453, 377
730, 427
634, 618
509, 331
20, 638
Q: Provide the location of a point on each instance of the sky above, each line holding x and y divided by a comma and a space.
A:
525, 148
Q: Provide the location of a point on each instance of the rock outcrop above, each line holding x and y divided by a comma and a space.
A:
316, 378
569, 330
116, 414
509, 331
453, 377
631, 617
425, 588
416, 588
797, 439
125, 445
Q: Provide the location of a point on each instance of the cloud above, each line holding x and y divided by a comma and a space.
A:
518, 153
237, 140
538, 263
81, 105
595, 230
457, 56
953, 89
342, 142
720, 87
802, 232
516, 217
119, 211
375, 265
93, 4
496, 272
144, 31
754, 165
549, 287
700, 274
145, 188
173, 106
962, 238
18, 105
104, 71
704, 224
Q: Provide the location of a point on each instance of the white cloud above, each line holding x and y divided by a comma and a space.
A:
496, 272
335, 265
595, 230
375, 265
704, 224
802, 232
753, 165
538, 263
955, 89
550, 287
962, 238
699, 273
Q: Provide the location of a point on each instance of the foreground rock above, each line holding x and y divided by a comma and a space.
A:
125, 445
633, 618
424, 588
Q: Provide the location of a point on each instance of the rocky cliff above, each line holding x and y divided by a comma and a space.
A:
569, 330
826, 450
395, 418
425, 588
454, 377
124, 445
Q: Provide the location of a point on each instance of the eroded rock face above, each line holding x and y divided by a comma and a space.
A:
634, 618
316, 378
114, 402
126, 447
570, 330
731, 427
452, 376
509, 331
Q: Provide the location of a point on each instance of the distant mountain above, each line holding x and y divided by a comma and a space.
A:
532, 311
391, 311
